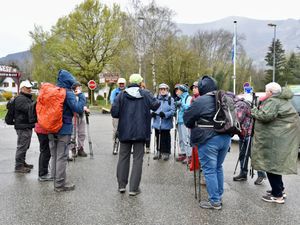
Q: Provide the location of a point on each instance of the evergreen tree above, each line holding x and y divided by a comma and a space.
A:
292, 70
279, 62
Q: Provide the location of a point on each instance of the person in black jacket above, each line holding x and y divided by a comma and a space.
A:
212, 146
132, 107
23, 126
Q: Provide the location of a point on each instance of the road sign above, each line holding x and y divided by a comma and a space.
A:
109, 77
92, 85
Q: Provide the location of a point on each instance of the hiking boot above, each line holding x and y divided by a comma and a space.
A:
271, 198
81, 152
165, 156
269, 192
187, 160
69, 187
240, 177
22, 169
147, 151
134, 193
44, 178
259, 180
157, 155
209, 205
29, 166
74, 154
180, 158
69, 159
122, 190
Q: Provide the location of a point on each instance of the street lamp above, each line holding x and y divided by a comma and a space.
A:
274, 40
140, 44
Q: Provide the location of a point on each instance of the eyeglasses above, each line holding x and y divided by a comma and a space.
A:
162, 89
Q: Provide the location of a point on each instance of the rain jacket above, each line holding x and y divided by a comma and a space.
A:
276, 135
71, 105
168, 107
185, 100
132, 107
114, 94
22, 105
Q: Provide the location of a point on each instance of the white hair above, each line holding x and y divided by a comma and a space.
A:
274, 87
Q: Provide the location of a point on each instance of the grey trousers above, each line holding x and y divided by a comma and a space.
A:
80, 132
23, 144
124, 164
59, 153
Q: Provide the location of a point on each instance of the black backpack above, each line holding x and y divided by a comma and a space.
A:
10, 115
225, 120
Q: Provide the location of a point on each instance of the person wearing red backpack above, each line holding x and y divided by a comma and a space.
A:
59, 141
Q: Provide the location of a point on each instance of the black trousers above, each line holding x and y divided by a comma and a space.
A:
44, 154
276, 183
163, 141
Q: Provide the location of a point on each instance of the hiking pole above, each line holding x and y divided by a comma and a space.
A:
239, 158
195, 175
159, 139
74, 137
89, 136
199, 189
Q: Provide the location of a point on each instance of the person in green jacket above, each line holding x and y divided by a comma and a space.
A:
276, 139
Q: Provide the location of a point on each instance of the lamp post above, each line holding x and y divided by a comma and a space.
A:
140, 44
274, 40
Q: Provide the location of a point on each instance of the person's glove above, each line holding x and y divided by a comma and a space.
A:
162, 114
178, 104
153, 114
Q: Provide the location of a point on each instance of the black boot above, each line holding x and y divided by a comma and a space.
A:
157, 155
240, 177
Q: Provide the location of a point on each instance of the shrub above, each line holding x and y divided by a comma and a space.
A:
2, 99
7, 95
100, 97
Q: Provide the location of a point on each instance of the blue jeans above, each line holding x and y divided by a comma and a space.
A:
212, 154
184, 139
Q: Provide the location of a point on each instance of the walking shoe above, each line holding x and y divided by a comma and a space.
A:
165, 156
147, 151
22, 169
30, 166
122, 190
134, 193
69, 187
271, 198
187, 160
74, 154
209, 205
44, 178
180, 158
259, 180
157, 155
69, 159
269, 192
81, 152
240, 177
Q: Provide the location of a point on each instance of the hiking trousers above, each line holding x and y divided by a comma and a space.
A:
59, 151
45, 155
124, 164
23, 144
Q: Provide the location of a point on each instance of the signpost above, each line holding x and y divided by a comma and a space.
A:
92, 86
108, 78
8, 71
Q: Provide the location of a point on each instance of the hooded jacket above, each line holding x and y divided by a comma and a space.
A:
132, 107
185, 100
203, 108
276, 135
168, 107
22, 105
71, 105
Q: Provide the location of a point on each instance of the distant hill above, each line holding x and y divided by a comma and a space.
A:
19, 58
257, 33
258, 36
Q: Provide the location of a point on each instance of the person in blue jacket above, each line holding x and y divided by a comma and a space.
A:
121, 87
132, 107
59, 142
163, 123
182, 105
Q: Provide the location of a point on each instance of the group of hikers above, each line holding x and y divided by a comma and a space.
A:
268, 133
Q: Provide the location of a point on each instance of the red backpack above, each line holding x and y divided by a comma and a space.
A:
49, 107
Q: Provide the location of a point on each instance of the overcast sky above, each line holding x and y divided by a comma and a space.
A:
17, 17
